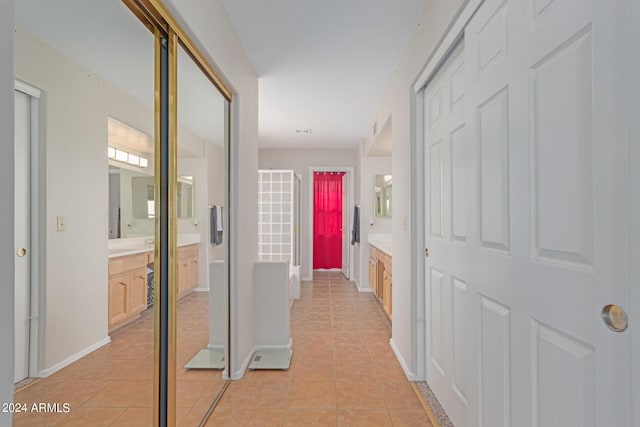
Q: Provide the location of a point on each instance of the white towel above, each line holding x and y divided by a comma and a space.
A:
218, 218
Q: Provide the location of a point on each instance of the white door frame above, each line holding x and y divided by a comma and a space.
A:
418, 213
419, 310
37, 228
350, 171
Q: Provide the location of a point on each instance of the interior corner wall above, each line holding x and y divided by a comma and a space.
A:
6, 209
371, 166
300, 161
432, 24
207, 22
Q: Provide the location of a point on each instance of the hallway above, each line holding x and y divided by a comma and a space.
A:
343, 371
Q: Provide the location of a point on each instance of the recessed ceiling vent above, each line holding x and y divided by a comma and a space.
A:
304, 131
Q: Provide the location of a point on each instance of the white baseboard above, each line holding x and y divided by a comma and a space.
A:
216, 346
306, 279
275, 347
69, 360
245, 365
410, 375
361, 289
201, 290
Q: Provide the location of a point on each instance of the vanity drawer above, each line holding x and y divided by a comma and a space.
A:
127, 263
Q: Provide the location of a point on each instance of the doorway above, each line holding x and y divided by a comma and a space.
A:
26, 99
518, 188
342, 222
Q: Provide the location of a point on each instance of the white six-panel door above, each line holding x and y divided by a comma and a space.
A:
527, 217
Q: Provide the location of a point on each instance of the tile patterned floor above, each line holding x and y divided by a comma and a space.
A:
343, 371
113, 385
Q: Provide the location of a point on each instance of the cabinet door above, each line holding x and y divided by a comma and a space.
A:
138, 291
194, 275
184, 276
118, 298
373, 275
386, 292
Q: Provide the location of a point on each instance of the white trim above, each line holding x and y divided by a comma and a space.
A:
410, 375
274, 347
74, 357
306, 279
447, 43
418, 209
350, 171
200, 289
245, 365
27, 89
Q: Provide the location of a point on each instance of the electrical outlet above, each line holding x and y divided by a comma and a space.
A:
62, 223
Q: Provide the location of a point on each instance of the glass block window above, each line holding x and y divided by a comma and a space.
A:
275, 215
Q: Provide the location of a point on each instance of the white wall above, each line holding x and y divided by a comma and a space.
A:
432, 23
300, 161
6, 209
371, 166
75, 105
208, 21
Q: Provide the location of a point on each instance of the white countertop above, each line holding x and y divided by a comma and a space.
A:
381, 241
139, 245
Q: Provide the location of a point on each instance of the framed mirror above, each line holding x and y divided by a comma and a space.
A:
382, 192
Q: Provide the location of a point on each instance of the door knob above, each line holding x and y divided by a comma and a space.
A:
22, 252
615, 318
426, 252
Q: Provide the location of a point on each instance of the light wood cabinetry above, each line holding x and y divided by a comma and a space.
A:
380, 277
188, 269
127, 289
128, 282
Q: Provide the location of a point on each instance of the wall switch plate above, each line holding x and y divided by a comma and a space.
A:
62, 223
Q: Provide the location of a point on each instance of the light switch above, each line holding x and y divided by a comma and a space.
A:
62, 223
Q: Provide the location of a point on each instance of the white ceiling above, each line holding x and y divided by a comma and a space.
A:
106, 38
322, 64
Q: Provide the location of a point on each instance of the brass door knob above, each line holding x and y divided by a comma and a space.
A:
615, 318
22, 252
426, 252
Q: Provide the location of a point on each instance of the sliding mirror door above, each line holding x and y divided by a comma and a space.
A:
85, 332
203, 240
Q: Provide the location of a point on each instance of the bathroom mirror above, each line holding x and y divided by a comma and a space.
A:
142, 189
382, 196
131, 195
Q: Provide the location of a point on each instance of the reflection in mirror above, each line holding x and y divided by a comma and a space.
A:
90, 340
382, 196
202, 238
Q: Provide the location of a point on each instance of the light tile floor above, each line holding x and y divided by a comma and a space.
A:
343, 370
113, 385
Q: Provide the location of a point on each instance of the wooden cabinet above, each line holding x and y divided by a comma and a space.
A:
380, 276
127, 289
373, 275
188, 269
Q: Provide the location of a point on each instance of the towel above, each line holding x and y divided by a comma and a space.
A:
215, 229
355, 230
219, 218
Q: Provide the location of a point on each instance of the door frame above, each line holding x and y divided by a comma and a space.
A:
349, 170
37, 227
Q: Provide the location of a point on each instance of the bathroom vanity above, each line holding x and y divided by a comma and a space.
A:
129, 263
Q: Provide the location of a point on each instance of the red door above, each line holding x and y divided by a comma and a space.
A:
327, 220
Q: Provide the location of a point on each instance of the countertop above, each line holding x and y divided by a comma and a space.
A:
382, 242
138, 245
